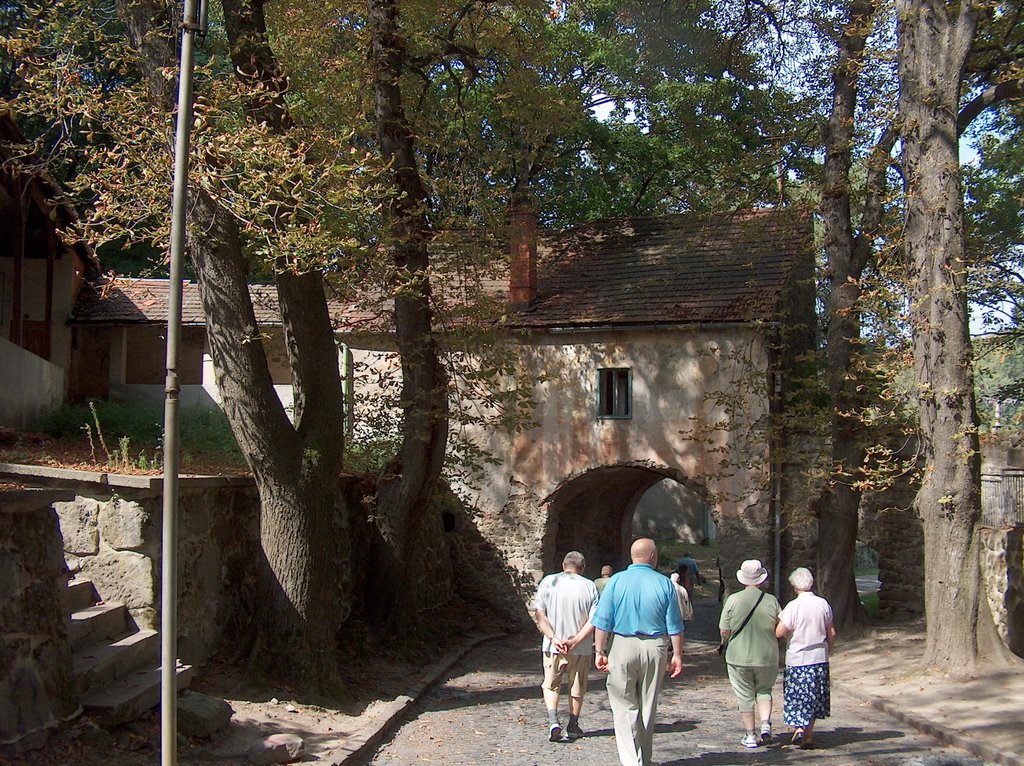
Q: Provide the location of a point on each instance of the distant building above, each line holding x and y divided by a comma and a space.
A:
40, 275
656, 349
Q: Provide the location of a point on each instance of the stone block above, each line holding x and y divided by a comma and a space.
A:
126, 525
36, 691
200, 715
79, 523
278, 748
127, 577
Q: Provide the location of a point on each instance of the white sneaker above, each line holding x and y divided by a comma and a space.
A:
766, 734
749, 740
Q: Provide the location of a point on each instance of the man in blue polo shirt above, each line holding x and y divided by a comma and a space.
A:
639, 608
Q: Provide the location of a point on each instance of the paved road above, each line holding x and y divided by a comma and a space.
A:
490, 712
868, 584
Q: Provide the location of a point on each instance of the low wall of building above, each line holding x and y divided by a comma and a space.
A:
36, 687
32, 387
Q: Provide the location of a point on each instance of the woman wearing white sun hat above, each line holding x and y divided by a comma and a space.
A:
751, 650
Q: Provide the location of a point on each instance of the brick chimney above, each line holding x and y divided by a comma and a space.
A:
522, 283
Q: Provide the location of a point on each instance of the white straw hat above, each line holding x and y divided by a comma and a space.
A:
751, 572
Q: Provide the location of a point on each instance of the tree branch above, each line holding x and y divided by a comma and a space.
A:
991, 95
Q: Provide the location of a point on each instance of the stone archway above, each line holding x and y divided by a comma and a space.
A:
592, 513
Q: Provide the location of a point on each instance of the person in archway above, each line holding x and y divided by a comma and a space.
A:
639, 611
691, 563
564, 607
684, 576
600, 582
685, 605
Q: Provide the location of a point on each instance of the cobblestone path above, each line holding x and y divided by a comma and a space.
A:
490, 712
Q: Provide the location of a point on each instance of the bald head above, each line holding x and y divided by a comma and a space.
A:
643, 551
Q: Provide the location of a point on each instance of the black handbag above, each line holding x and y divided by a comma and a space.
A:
724, 646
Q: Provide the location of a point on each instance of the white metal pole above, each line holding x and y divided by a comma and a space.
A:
169, 543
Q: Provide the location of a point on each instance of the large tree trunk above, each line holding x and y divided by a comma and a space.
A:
296, 467
406, 484
934, 40
847, 255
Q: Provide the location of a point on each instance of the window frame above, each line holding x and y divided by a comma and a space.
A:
617, 409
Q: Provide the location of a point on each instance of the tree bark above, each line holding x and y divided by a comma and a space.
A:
934, 41
839, 504
407, 482
296, 467
848, 253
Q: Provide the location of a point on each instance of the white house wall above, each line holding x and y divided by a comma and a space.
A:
32, 387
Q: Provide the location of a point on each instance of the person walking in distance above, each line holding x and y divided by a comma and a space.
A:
600, 582
639, 612
564, 606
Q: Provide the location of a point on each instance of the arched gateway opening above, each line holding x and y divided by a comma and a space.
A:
593, 513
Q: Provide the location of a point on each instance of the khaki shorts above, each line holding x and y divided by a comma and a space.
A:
751, 683
575, 668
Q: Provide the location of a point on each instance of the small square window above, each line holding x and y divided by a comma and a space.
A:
614, 393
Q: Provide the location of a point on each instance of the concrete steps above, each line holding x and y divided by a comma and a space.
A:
95, 664
127, 698
115, 664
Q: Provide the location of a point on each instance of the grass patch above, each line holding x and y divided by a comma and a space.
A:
870, 603
130, 434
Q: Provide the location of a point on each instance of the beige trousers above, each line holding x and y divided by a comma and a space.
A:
636, 667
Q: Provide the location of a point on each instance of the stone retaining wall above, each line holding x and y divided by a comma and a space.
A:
1002, 568
113, 537
111, 525
889, 524
36, 688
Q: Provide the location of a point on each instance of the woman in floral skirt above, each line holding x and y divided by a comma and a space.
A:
807, 622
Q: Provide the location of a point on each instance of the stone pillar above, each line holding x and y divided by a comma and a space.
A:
889, 524
1002, 569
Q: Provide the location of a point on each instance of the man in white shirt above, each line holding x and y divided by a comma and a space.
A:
564, 605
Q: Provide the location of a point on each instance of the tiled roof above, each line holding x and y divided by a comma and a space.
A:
144, 301
140, 301
679, 269
675, 269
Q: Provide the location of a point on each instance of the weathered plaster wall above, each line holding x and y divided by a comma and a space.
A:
699, 411
670, 511
36, 688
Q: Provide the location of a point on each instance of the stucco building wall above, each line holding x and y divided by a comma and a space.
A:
699, 413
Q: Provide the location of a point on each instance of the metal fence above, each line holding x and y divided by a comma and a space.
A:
1002, 498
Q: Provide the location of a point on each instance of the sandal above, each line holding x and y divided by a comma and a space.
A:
798, 738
